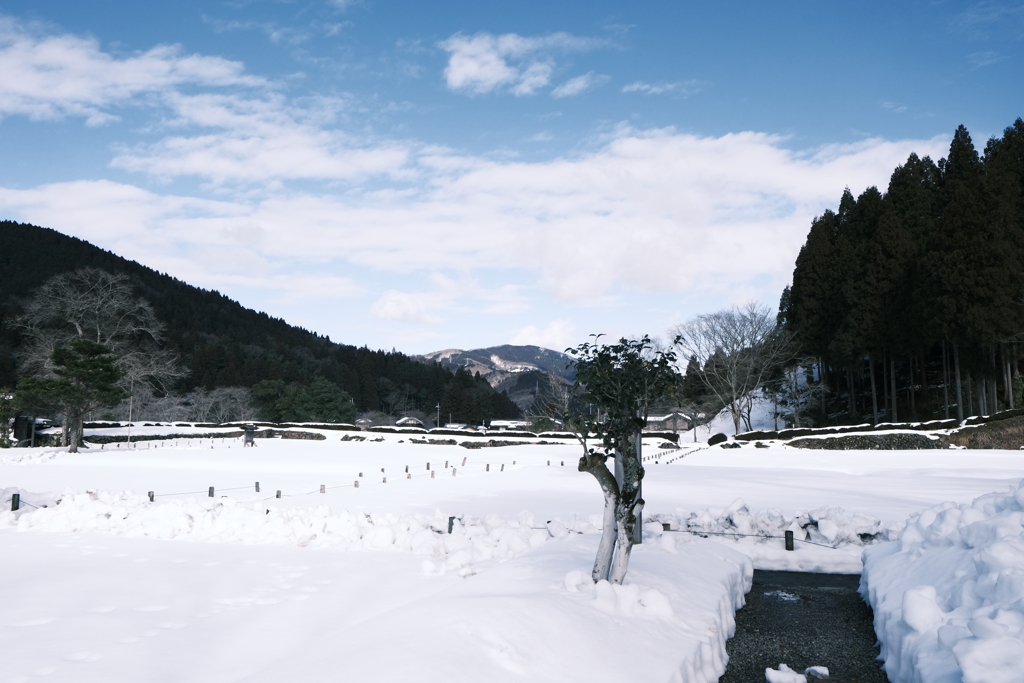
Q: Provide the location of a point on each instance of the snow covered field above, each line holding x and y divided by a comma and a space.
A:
366, 583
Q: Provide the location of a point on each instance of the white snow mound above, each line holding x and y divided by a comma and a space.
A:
225, 520
948, 596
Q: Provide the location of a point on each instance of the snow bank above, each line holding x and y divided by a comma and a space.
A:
28, 456
948, 596
225, 520
828, 539
831, 526
529, 610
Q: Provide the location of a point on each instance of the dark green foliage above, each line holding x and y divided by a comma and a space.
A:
888, 281
321, 401
85, 376
813, 313
221, 343
86, 379
624, 380
469, 399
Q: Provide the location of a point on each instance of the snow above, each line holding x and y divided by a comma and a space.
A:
366, 583
762, 417
784, 674
948, 596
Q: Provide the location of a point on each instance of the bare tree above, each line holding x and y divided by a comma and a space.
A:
223, 404
99, 306
736, 351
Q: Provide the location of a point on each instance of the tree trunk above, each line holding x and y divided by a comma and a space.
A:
737, 414
849, 392
959, 391
1009, 384
775, 410
969, 399
979, 384
945, 379
993, 398
892, 379
624, 540
606, 547
796, 393
911, 387
74, 432
628, 507
874, 392
885, 388
923, 372
594, 463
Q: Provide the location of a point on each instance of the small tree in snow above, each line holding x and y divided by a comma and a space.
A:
622, 381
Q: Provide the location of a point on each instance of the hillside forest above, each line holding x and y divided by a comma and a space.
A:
228, 362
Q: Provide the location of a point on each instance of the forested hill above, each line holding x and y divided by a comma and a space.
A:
222, 344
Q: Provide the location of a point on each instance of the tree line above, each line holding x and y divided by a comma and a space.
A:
205, 356
909, 301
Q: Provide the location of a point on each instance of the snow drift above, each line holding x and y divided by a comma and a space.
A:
948, 596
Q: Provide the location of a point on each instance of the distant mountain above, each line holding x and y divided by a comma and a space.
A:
523, 372
222, 343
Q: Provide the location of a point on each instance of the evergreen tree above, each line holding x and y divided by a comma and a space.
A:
85, 377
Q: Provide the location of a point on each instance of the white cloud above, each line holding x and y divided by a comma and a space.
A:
484, 62
558, 335
651, 211
406, 307
575, 86
986, 58
684, 88
249, 139
54, 76
654, 211
535, 77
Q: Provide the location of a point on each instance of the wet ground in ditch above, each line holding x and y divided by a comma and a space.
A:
804, 620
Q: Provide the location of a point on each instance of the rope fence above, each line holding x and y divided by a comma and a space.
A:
788, 538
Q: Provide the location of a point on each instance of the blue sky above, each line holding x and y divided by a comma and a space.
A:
465, 174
